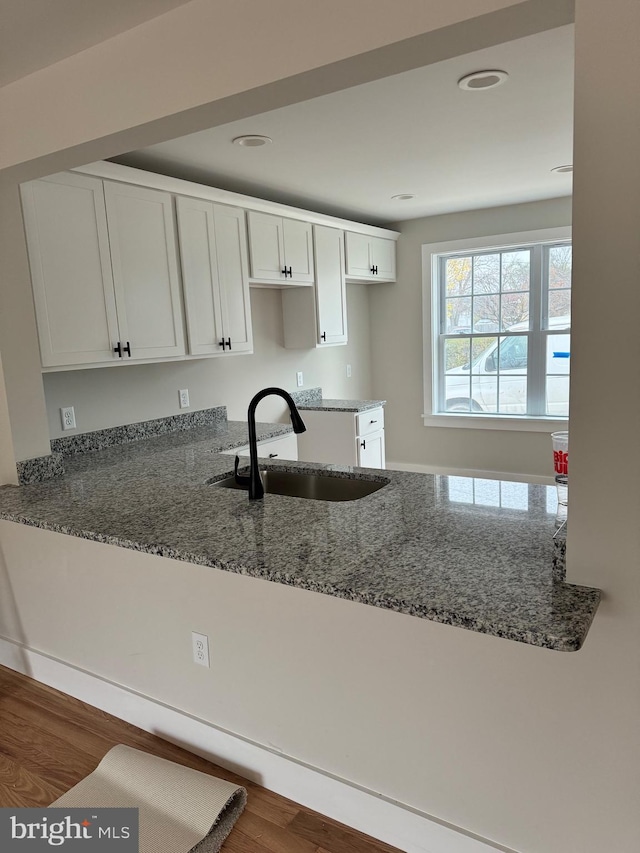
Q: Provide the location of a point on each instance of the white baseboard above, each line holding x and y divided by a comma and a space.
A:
402, 827
536, 479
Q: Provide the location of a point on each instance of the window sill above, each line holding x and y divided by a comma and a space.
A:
520, 424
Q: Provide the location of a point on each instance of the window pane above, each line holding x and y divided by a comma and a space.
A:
486, 274
483, 355
512, 355
515, 310
559, 277
516, 270
486, 313
458, 276
558, 354
458, 315
559, 266
457, 393
513, 394
456, 353
484, 392
558, 396
559, 308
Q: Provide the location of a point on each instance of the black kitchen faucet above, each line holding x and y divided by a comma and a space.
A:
254, 481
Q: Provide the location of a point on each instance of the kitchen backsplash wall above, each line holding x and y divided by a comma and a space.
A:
111, 396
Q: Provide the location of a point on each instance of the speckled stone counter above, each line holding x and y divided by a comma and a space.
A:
477, 554
325, 405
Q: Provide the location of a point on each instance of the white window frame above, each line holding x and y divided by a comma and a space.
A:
431, 253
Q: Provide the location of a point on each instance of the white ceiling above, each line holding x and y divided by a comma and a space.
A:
37, 33
347, 153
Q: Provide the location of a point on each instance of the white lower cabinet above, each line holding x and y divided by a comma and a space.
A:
343, 438
213, 251
317, 317
104, 271
280, 447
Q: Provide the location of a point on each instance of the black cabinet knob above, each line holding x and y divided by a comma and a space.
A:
229, 343
363, 445
222, 343
323, 336
118, 349
127, 349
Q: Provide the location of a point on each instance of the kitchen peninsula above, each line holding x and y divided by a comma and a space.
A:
475, 554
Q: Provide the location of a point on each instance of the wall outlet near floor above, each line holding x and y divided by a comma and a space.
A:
68, 417
200, 645
184, 398
299, 379
348, 371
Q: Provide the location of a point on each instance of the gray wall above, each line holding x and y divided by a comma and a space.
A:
110, 396
397, 333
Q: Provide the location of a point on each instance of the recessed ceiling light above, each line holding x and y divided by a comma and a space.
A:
482, 80
251, 140
402, 197
563, 169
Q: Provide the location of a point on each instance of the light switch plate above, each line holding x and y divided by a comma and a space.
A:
299, 379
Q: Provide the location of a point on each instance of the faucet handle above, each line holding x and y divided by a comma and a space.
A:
240, 480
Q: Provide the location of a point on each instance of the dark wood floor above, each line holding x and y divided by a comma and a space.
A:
49, 741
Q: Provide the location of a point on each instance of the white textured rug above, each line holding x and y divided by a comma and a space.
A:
181, 810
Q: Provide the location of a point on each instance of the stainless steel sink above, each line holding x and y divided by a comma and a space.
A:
319, 487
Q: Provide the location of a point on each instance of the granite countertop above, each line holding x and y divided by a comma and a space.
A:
477, 554
324, 405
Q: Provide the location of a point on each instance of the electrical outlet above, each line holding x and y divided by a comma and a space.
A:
68, 417
348, 371
200, 645
299, 379
184, 398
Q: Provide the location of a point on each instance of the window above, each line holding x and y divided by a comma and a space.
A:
501, 324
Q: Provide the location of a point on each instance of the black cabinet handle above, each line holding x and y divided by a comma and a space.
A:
284, 272
222, 343
127, 349
323, 336
118, 349
363, 444
229, 343
290, 272
272, 455
373, 422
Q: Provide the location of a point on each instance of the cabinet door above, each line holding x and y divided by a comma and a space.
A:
371, 450
266, 247
213, 252
198, 256
233, 276
331, 297
383, 258
145, 270
358, 255
298, 249
68, 245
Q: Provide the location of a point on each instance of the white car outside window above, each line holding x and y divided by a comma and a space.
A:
496, 380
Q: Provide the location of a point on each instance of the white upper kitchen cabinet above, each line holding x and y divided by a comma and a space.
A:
104, 271
213, 250
145, 270
68, 245
371, 258
280, 250
318, 317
